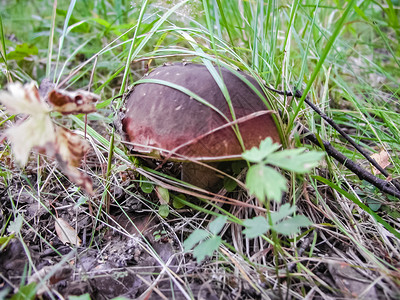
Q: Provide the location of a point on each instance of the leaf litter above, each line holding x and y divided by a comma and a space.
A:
38, 131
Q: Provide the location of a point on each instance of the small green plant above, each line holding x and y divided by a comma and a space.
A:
209, 241
159, 234
264, 182
25, 292
277, 221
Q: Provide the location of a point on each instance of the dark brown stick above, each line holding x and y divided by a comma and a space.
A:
392, 188
383, 185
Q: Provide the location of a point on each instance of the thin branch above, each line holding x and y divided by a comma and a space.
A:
392, 188
383, 185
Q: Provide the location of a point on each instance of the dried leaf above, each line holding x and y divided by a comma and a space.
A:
78, 102
77, 177
70, 146
66, 233
23, 99
37, 130
382, 158
70, 149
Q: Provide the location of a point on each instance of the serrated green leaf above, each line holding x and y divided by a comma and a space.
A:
255, 227
16, 225
163, 210
216, 226
292, 225
195, 237
207, 248
263, 181
284, 211
295, 160
257, 155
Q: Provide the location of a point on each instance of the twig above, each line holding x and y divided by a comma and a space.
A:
383, 185
392, 188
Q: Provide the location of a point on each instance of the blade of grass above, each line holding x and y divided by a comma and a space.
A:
63, 35
360, 204
327, 49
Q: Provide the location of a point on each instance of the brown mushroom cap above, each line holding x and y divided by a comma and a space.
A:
165, 121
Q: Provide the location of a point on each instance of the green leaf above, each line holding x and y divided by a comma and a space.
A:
163, 194
195, 237
257, 155
207, 248
373, 204
81, 297
163, 210
21, 51
25, 292
216, 226
4, 240
255, 227
284, 211
295, 160
176, 202
229, 184
263, 181
16, 225
147, 187
238, 166
260, 225
292, 225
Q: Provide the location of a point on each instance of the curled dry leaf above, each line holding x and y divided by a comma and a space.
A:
37, 130
66, 233
78, 102
70, 146
69, 149
382, 158
25, 99
77, 177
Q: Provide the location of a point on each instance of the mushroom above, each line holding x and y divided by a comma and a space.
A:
179, 112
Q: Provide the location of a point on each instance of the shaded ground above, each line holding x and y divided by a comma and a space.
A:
117, 260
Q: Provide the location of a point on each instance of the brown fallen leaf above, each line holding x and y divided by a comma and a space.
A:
66, 233
382, 158
70, 146
68, 150
77, 177
78, 102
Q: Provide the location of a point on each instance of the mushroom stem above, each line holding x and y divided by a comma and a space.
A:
201, 175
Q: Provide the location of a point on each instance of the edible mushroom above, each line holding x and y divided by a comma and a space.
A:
179, 112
